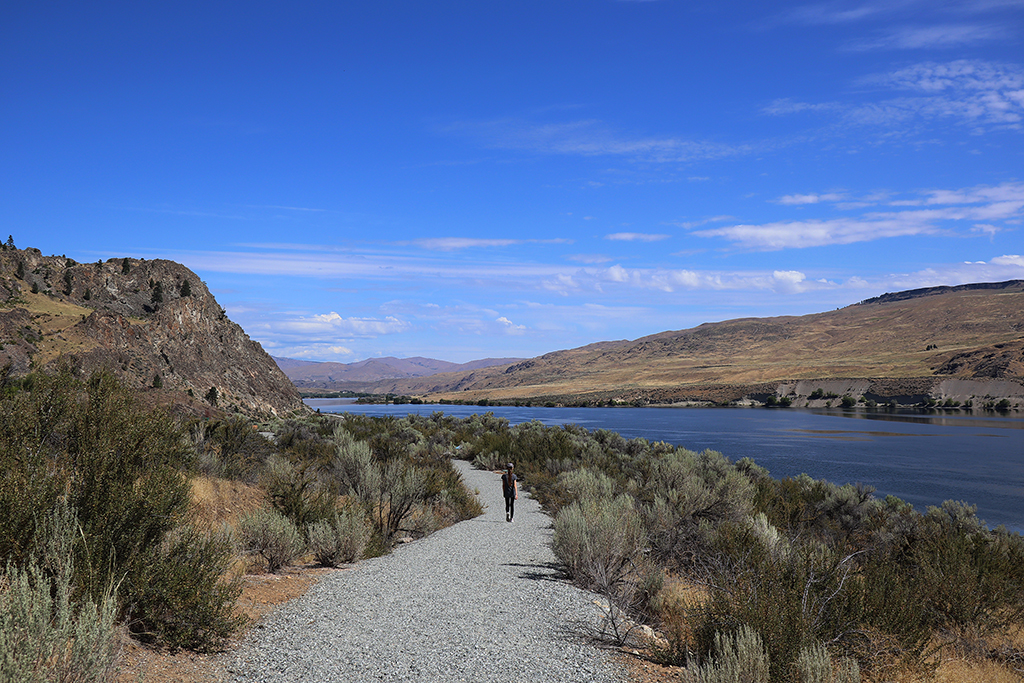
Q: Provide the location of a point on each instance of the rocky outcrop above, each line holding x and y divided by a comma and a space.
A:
153, 323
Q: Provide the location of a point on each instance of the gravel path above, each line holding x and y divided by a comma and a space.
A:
480, 601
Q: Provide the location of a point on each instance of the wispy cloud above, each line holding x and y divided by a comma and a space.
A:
933, 211
800, 199
453, 243
457, 243
693, 224
785, 105
285, 208
941, 37
590, 258
839, 12
591, 137
636, 237
980, 94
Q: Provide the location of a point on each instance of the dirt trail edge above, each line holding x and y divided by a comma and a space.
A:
480, 601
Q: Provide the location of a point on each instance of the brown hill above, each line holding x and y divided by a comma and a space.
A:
366, 375
151, 322
943, 342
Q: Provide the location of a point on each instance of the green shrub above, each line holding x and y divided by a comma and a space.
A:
814, 665
738, 659
491, 460
353, 471
185, 600
447, 496
230, 448
120, 468
339, 540
586, 484
45, 636
401, 487
295, 490
791, 598
685, 494
272, 536
45, 633
599, 541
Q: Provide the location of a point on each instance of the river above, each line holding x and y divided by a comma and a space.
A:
922, 458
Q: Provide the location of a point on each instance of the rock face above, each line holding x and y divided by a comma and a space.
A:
153, 323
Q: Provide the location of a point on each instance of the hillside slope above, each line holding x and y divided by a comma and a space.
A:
153, 323
366, 375
908, 345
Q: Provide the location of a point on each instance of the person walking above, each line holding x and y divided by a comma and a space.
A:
509, 489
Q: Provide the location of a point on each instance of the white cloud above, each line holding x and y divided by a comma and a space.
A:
986, 229
788, 280
980, 94
591, 138
1009, 260
943, 36
453, 243
971, 91
785, 105
815, 233
320, 352
635, 237
798, 199
617, 274
457, 243
592, 259
980, 204
334, 324
509, 326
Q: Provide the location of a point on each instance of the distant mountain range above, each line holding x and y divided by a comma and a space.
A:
366, 375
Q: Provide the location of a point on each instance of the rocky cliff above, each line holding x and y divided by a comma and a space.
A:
153, 323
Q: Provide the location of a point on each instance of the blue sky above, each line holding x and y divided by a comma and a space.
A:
463, 180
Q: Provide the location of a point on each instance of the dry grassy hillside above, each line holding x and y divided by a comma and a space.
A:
903, 345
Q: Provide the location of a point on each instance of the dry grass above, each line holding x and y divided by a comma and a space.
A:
222, 501
969, 661
961, 671
56, 319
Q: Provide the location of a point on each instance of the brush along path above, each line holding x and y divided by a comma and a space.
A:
480, 601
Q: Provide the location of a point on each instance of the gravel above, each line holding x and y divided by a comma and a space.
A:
483, 600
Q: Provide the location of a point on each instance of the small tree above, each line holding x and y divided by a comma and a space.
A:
158, 293
69, 281
20, 272
211, 396
126, 267
186, 289
158, 381
10, 242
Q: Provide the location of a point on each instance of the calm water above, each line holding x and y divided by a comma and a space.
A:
923, 459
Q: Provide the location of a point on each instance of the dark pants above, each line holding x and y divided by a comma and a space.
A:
510, 507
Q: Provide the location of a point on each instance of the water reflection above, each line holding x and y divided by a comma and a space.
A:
930, 417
